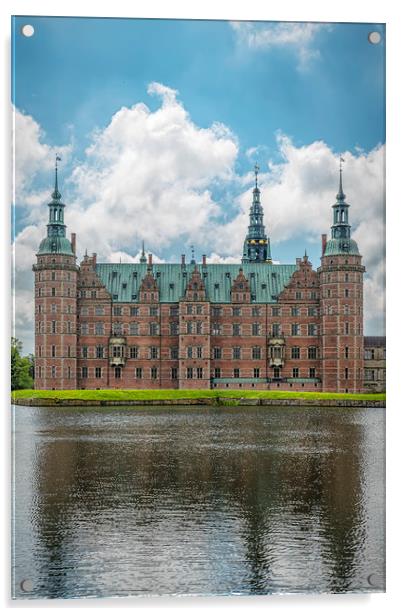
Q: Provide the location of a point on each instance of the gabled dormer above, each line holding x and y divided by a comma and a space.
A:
240, 292
149, 291
195, 290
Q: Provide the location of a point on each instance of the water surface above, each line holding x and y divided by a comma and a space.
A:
119, 501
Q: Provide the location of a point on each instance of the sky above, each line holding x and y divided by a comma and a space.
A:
159, 124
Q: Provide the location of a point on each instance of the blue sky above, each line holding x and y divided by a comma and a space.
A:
292, 97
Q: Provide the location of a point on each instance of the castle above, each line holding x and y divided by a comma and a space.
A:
184, 325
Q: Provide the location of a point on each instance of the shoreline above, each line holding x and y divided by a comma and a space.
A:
213, 401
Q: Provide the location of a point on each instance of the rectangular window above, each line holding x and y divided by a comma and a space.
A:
189, 309
216, 311
53, 350
117, 329
99, 311
174, 353
277, 373
256, 353
236, 329
153, 329
174, 328
93, 294
298, 295
276, 329
217, 353
134, 329
216, 329
99, 329
295, 329
84, 372
199, 373
346, 373
189, 327
295, 311
98, 373
153, 352
54, 308
199, 309
217, 373
236, 311
255, 311
117, 351
174, 374
189, 372
199, 352
154, 372
346, 352
346, 328
313, 294
138, 373
153, 311
133, 311
133, 352
346, 292
295, 352
53, 292
53, 327
312, 329
236, 373
312, 352
117, 373
312, 311
255, 329
84, 352
236, 353
295, 373
53, 371
174, 311
199, 327
275, 311
256, 373
312, 373
189, 352
117, 311
99, 352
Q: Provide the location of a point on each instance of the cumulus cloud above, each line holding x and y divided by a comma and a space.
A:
151, 175
297, 37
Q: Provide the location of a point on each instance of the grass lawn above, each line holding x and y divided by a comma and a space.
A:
175, 394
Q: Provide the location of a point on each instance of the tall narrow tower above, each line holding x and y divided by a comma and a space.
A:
341, 299
256, 245
56, 302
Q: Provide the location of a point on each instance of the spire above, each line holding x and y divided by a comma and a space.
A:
256, 170
341, 195
55, 194
256, 245
143, 258
192, 255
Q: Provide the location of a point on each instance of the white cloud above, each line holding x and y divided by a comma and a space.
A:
298, 37
151, 175
33, 158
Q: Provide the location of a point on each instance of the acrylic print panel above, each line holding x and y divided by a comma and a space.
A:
198, 360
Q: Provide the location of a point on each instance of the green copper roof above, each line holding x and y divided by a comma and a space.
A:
123, 280
341, 246
55, 245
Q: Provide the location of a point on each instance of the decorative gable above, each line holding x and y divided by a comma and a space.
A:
195, 290
304, 283
240, 291
149, 291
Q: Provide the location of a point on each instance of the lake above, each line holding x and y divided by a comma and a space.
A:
111, 502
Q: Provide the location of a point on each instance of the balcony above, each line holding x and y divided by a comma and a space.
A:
117, 351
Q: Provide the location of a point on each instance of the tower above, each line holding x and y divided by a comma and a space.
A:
256, 245
56, 302
341, 303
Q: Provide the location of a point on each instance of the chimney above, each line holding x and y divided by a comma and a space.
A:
204, 259
323, 242
94, 259
150, 259
183, 259
73, 242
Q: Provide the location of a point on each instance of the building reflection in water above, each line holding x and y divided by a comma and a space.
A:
248, 501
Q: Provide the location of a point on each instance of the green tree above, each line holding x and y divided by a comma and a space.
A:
21, 367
